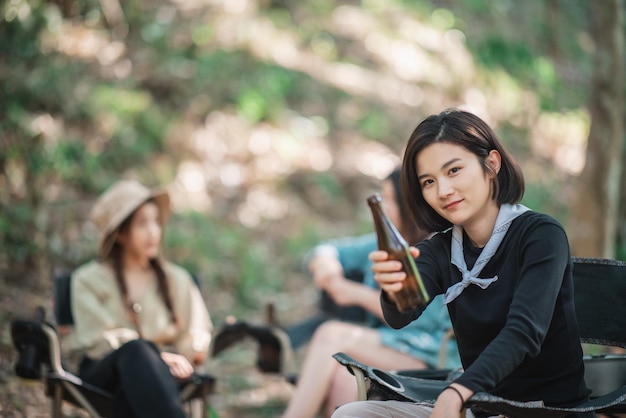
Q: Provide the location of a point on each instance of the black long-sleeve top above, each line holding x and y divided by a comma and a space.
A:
519, 337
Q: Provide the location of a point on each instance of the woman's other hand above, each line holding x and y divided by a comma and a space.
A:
179, 366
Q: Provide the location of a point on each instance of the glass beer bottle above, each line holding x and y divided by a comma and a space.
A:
413, 293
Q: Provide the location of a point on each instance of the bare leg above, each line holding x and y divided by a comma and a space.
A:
342, 390
319, 368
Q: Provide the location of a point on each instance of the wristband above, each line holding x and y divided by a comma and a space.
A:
460, 395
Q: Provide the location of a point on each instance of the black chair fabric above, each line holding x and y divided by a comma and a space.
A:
343, 313
600, 295
62, 299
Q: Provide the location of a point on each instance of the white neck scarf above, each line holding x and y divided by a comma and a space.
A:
503, 222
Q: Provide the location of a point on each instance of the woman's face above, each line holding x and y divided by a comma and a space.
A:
388, 195
454, 183
142, 239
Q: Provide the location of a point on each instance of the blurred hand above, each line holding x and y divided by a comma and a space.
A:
325, 270
178, 364
388, 273
328, 275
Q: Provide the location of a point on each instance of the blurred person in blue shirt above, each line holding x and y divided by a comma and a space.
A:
325, 384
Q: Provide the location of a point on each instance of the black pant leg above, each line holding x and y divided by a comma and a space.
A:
141, 380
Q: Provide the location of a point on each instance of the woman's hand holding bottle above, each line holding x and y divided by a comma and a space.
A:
388, 273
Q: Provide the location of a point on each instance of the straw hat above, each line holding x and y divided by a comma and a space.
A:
118, 202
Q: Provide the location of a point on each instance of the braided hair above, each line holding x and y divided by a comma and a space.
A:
117, 262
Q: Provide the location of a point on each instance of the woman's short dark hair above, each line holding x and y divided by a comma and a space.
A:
462, 128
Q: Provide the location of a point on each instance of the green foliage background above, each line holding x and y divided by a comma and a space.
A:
109, 126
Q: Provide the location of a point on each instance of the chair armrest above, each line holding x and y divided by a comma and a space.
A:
198, 386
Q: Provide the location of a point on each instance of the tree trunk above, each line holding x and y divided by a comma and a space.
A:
593, 227
621, 219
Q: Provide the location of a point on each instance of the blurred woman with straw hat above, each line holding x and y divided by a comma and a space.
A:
139, 319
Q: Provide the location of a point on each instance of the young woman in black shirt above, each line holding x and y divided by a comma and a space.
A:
505, 272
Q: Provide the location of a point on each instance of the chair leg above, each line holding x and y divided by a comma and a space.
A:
204, 403
360, 383
82, 400
197, 408
57, 400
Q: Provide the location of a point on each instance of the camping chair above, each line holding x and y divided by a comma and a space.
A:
39, 357
276, 344
600, 294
